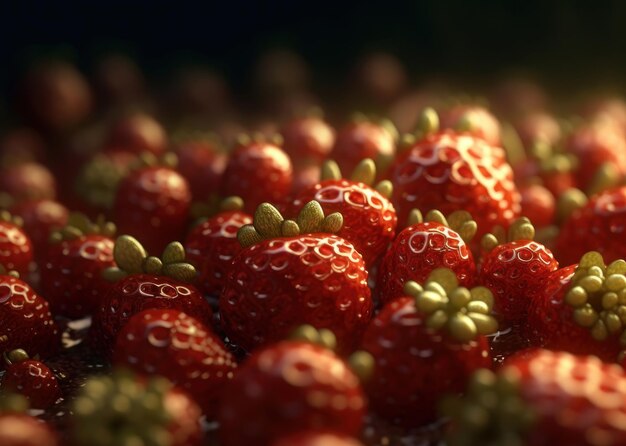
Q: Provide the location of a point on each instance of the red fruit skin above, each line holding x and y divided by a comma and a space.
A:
538, 204
369, 219
171, 344
359, 140
202, 165
184, 425
313, 438
597, 226
71, 274
450, 171
417, 251
23, 430
41, 218
286, 388
595, 144
551, 322
28, 181
258, 172
484, 124
137, 134
211, 247
538, 126
577, 400
25, 319
16, 249
139, 292
280, 284
307, 138
152, 204
305, 176
415, 366
34, 380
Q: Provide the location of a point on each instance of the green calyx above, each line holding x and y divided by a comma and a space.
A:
463, 313
491, 413
427, 124
521, 229
269, 223
79, 225
6, 216
598, 296
364, 172
97, 181
122, 410
15, 356
215, 205
132, 258
361, 362
460, 222
13, 403
5, 272
148, 159
245, 139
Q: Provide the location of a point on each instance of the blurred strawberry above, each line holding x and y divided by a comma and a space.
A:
30, 378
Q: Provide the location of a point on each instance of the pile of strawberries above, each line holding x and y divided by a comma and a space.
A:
173, 273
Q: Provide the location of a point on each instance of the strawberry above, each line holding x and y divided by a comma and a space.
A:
137, 133
596, 225
27, 181
425, 345
538, 126
71, 269
152, 203
307, 138
212, 244
369, 219
317, 438
18, 429
171, 344
30, 378
425, 245
541, 398
363, 138
202, 163
515, 271
25, 318
40, 218
580, 311
289, 387
453, 171
594, 144
123, 409
258, 170
16, 249
290, 274
538, 204
305, 176
474, 119
143, 283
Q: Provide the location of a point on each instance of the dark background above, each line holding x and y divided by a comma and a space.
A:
564, 44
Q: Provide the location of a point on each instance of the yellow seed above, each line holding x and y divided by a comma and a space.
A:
485, 324
576, 296
462, 328
477, 306
609, 300
615, 282
591, 284
429, 301
585, 316
412, 288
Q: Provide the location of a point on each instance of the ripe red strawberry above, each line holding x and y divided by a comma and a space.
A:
289, 387
144, 283
515, 271
538, 126
126, 409
25, 319
16, 249
258, 171
307, 138
596, 226
317, 438
180, 348
40, 218
27, 181
475, 119
30, 378
538, 204
137, 133
212, 245
453, 171
19, 429
580, 310
361, 139
369, 219
594, 144
71, 269
425, 346
425, 245
290, 274
202, 163
542, 398
152, 204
